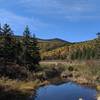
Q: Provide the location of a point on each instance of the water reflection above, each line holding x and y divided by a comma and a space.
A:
67, 91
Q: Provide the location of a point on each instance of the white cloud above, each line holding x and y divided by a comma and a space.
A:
61, 9
18, 22
75, 9
74, 18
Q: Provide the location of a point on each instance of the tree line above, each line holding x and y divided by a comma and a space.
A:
23, 51
78, 51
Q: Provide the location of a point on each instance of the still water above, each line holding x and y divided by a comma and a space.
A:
66, 91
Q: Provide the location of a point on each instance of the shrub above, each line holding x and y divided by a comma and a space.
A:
70, 68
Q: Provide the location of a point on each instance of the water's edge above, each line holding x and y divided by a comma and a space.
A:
73, 84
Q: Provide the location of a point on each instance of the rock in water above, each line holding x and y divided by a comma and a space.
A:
98, 98
80, 99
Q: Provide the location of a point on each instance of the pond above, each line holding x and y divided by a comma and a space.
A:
66, 91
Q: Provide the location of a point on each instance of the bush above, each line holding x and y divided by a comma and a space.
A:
41, 76
70, 68
14, 72
66, 74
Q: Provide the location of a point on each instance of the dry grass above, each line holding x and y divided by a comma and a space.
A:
83, 71
87, 72
23, 86
17, 90
98, 87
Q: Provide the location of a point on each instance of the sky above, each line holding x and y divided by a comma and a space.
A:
71, 20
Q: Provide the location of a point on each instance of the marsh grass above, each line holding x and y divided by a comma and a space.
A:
17, 90
85, 72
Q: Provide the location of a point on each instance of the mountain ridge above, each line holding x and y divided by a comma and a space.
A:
56, 39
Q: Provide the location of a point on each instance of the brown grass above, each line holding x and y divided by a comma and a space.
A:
17, 90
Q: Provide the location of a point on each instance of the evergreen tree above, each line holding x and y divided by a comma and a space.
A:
1, 44
98, 34
35, 48
8, 44
97, 45
92, 53
26, 44
84, 53
76, 54
88, 55
31, 56
0, 30
18, 51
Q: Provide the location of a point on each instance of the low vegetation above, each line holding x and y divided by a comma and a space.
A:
77, 51
21, 71
16, 89
19, 60
85, 72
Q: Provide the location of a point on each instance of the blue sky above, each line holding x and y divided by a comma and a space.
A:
71, 20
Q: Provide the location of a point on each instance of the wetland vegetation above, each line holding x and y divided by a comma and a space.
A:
27, 63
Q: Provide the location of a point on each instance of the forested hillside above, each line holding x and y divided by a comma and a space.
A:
57, 49
20, 58
18, 55
75, 51
48, 44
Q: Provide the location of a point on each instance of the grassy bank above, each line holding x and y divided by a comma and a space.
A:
83, 72
17, 90
86, 73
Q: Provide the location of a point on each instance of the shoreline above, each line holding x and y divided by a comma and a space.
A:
52, 81
82, 74
30, 92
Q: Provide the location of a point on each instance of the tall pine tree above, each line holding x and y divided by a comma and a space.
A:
0, 30
98, 47
31, 56
26, 44
8, 46
35, 53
